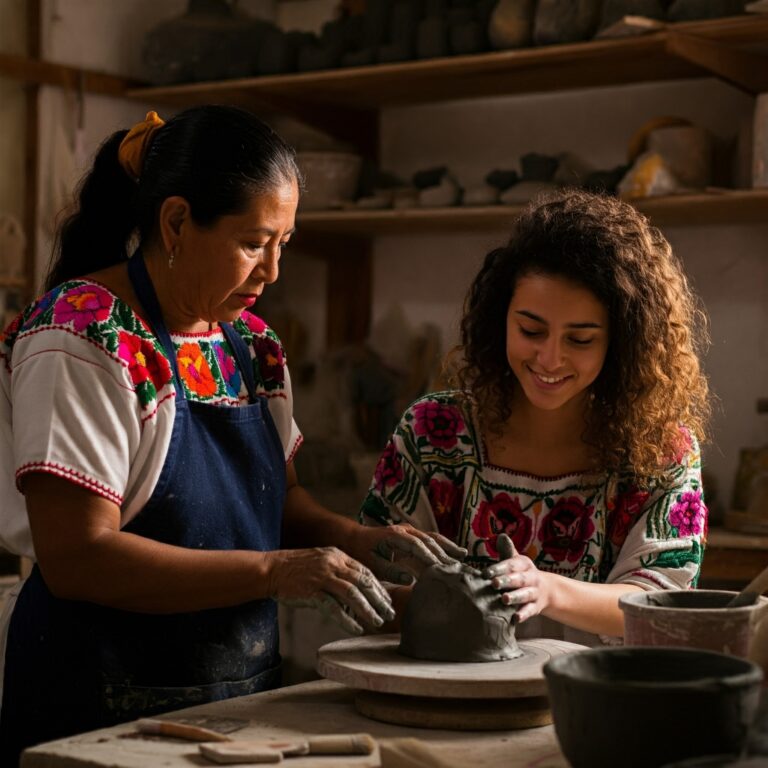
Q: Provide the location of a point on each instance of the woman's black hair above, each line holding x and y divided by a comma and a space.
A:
215, 157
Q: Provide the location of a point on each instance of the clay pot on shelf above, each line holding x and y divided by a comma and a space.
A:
211, 41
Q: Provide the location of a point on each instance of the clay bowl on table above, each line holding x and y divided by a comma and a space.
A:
646, 707
692, 618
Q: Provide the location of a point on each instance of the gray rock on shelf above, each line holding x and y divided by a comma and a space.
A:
616, 10
565, 21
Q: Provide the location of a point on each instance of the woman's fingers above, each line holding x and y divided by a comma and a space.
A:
334, 610
505, 547
450, 548
394, 572
508, 581
375, 593
519, 596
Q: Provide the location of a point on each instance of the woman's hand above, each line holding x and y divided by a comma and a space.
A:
520, 582
329, 580
398, 553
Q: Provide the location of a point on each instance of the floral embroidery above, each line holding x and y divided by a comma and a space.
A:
228, 370
574, 524
254, 324
440, 425
566, 530
195, 371
207, 367
502, 514
83, 305
389, 470
446, 499
687, 514
145, 364
269, 353
42, 305
623, 514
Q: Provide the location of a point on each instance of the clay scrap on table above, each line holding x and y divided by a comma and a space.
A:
454, 614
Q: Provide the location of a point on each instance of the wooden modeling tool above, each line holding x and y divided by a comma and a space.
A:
274, 751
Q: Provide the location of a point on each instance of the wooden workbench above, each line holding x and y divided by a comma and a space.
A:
317, 707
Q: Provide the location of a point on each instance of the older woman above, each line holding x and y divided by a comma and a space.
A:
149, 416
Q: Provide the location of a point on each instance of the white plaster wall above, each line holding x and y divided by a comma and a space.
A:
12, 111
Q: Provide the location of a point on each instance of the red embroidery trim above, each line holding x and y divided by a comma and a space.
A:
79, 478
296, 447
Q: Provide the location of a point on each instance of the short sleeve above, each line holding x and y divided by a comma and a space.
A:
397, 491
281, 410
664, 548
75, 413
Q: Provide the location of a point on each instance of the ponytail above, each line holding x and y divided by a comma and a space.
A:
97, 233
215, 157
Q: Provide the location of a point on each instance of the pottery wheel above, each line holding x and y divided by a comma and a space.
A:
496, 695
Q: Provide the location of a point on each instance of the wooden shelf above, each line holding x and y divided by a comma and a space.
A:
12, 282
34, 71
546, 68
727, 207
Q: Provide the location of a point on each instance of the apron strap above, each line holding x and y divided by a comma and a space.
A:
145, 292
244, 361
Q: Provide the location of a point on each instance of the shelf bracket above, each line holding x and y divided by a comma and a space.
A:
746, 69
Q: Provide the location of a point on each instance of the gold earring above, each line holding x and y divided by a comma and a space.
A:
171, 257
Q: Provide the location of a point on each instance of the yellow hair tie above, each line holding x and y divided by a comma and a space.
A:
134, 146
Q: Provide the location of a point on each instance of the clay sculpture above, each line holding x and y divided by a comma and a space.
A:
455, 615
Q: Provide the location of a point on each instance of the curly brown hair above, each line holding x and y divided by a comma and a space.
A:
651, 383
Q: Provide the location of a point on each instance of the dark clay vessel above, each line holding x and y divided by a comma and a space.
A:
455, 615
647, 707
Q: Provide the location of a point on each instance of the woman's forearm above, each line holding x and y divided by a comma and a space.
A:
589, 607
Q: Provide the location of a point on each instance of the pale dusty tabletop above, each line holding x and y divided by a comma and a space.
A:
318, 707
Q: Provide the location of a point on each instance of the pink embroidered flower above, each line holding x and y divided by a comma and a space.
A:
440, 424
389, 471
255, 324
228, 370
446, 498
626, 509
145, 363
688, 514
82, 306
502, 514
566, 530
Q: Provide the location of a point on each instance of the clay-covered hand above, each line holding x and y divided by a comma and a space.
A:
398, 553
328, 579
518, 579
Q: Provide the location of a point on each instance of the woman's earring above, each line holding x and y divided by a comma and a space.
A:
171, 257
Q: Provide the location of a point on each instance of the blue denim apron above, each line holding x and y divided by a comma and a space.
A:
73, 666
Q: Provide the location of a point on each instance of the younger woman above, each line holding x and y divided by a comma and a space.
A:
575, 423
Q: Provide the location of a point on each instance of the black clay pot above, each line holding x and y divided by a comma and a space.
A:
211, 41
646, 707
